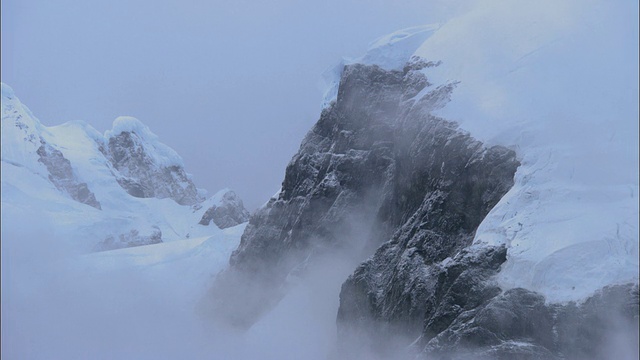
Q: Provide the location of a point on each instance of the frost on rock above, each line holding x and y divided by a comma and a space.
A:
227, 210
380, 170
374, 161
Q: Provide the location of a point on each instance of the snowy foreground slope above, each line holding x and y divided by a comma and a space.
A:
123, 188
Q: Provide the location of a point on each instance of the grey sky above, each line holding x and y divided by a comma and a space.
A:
232, 86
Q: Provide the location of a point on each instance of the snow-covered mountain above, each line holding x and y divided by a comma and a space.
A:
494, 173
123, 188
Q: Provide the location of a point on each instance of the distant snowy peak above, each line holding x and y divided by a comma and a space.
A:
225, 209
146, 167
159, 153
137, 185
142, 165
26, 143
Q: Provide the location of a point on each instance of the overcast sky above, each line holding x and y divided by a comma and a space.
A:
231, 85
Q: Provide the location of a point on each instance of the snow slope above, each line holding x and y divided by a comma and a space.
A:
196, 259
556, 82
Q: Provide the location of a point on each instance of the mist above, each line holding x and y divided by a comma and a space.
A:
58, 302
55, 308
54, 305
57, 305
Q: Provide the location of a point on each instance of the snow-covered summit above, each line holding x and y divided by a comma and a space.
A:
146, 167
390, 52
161, 153
225, 209
552, 84
393, 51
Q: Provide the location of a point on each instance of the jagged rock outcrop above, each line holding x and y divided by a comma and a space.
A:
401, 293
379, 170
519, 324
130, 239
376, 160
61, 175
228, 211
141, 176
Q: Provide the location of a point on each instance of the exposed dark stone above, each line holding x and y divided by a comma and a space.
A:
518, 324
374, 162
419, 63
141, 177
229, 212
378, 170
62, 176
394, 297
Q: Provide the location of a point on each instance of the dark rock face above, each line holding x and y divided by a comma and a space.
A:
518, 324
141, 177
377, 163
394, 297
229, 212
62, 176
130, 239
605, 326
378, 170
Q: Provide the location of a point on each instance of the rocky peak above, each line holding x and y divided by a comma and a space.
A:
147, 168
227, 210
375, 160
